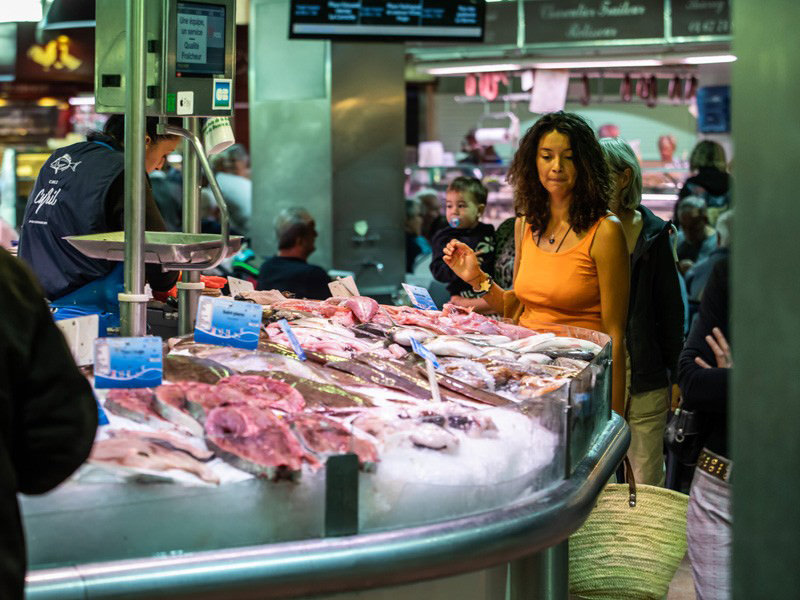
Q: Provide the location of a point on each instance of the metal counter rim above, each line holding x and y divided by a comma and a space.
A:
364, 561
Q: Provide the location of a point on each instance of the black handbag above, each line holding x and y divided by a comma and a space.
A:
682, 436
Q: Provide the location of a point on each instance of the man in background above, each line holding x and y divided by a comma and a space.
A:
289, 271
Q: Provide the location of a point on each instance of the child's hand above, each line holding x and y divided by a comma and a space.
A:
462, 260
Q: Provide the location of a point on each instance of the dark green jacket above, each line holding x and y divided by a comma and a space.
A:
654, 334
48, 414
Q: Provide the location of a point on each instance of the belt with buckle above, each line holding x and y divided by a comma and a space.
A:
714, 464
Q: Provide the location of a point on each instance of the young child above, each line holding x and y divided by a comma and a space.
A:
465, 203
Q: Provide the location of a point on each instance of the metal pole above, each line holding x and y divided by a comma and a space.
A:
133, 307
187, 298
543, 576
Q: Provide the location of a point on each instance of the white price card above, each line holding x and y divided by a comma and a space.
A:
344, 287
80, 334
237, 286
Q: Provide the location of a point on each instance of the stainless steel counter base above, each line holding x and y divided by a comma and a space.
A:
367, 561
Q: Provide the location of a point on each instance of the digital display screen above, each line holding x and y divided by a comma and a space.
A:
389, 20
200, 40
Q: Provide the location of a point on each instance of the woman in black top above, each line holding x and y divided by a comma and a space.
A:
703, 376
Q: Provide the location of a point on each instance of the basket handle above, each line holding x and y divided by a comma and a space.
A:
631, 482
628, 468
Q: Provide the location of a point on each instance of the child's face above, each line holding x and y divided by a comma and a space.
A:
461, 210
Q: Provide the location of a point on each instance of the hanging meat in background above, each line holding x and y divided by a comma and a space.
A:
690, 89
470, 85
626, 88
643, 88
586, 94
652, 84
675, 89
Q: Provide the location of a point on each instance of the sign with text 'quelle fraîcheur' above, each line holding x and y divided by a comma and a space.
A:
227, 322
127, 362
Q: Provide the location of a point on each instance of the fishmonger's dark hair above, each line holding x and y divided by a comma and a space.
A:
592, 185
115, 128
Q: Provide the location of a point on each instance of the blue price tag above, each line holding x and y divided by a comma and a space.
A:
420, 297
127, 362
287, 329
227, 322
424, 352
102, 417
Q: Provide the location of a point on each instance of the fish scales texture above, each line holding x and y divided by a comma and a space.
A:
187, 368
374, 375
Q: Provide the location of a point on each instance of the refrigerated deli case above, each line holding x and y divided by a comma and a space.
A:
411, 532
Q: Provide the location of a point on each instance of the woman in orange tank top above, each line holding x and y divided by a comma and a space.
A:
572, 265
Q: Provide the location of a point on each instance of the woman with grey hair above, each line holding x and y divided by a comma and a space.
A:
654, 332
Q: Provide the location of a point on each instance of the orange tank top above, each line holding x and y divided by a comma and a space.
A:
561, 287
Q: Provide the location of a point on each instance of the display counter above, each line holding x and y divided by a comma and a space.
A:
508, 491
328, 565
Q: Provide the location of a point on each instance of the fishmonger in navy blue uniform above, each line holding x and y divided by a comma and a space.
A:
79, 191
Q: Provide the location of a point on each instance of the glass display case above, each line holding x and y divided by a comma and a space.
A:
417, 519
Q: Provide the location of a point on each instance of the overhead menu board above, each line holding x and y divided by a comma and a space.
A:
693, 18
560, 21
388, 20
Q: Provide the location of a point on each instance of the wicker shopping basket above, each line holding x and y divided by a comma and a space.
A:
631, 544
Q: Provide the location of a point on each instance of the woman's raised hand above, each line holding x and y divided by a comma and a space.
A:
460, 257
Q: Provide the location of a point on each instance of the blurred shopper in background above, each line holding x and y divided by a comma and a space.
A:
710, 180
48, 414
654, 333
289, 271
477, 153
608, 130
232, 171
416, 245
704, 374
667, 144
697, 276
432, 218
8, 235
696, 238
167, 184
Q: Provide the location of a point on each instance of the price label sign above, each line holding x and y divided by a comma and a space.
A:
226, 322
420, 297
287, 329
80, 334
424, 352
344, 287
237, 286
127, 362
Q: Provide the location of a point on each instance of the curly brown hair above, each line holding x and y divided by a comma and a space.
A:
592, 186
